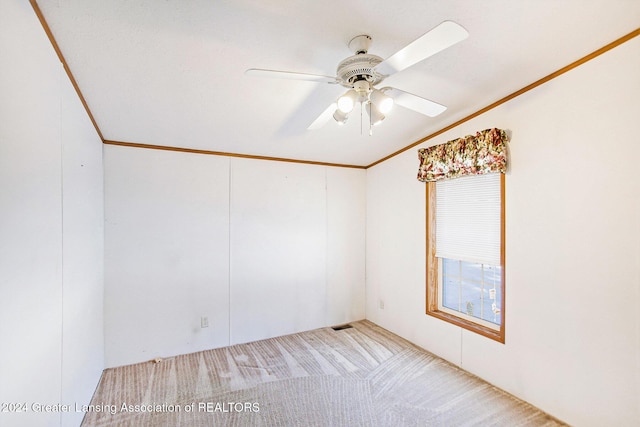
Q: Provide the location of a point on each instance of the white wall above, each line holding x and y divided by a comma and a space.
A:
82, 253
51, 228
572, 247
261, 248
166, 253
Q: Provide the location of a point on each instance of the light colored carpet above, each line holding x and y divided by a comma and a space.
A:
360, 376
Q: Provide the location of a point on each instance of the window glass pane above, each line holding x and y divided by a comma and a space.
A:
492, 274
472, 289
451, 267
451, 294
471, 271
488, 313
470, 298
451, 283
496, 291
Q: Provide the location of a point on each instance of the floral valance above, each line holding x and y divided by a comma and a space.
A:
484, 152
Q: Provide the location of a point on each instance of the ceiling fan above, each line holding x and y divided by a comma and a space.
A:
362, 72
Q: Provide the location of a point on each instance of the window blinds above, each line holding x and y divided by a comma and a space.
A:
468, 218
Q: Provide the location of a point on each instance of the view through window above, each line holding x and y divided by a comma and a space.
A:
472, 289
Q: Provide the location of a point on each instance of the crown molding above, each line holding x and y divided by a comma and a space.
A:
225, 154
63, 61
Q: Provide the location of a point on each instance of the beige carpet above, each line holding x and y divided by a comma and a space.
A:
360, 376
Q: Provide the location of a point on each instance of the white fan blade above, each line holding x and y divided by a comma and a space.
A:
414, 102
441, 37
323, 118
258, 72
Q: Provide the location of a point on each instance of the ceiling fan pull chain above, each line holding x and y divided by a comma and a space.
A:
370, 124
361, 119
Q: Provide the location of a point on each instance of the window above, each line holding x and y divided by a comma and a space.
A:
465, 253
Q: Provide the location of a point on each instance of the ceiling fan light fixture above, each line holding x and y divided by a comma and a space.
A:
383, 102
375, 116
340, 116
347, 101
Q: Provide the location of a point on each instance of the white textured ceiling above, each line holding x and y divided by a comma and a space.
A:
171, 72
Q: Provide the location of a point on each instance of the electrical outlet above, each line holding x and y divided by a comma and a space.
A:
204, 322
381, 304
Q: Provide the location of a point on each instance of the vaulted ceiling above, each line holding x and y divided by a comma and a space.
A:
172, 72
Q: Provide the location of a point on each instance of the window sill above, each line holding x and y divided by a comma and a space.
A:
496, 335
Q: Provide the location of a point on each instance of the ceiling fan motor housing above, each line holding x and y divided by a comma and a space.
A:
359, 67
